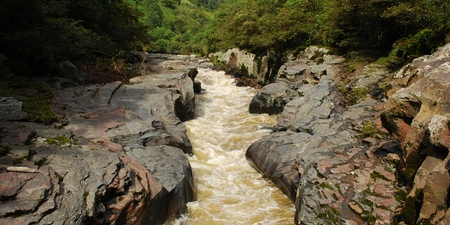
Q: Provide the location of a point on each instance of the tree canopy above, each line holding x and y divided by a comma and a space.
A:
410, 27
36, 34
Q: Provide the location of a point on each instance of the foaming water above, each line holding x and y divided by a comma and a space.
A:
228, 190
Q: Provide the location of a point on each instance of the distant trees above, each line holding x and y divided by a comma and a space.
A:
210, 4
409, 27
36, 34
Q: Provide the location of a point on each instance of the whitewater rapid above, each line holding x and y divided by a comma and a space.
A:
228, 189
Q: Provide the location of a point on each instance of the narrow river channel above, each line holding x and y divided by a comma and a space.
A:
228, 190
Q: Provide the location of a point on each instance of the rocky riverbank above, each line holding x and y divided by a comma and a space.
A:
115, 156
329, 152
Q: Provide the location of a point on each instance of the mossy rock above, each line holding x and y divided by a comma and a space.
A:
58, 140
36, 97
4, 150
411, 209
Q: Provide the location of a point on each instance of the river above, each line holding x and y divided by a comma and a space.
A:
228, 189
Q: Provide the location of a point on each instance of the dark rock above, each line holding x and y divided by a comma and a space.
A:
69, 71
271, 99
197, 87
11, 109
170, 166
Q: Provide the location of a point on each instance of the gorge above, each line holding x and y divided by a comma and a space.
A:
119, 152
228, 190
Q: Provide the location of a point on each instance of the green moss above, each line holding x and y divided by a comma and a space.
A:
353, 95
41, 162
60, 178
400, 195
376, 175
325, 185
332, 215
411, 210
58, 140
368, 202
19, 160
85, 195
369, 129
338, 186
216, 62
35, 96
4, 150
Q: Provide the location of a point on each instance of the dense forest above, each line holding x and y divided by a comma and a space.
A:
36, 34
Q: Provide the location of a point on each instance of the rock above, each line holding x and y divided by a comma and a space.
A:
170, 166
243, 64
197, 87
271, 99
11, 109
76, 174
314, 53
115, 110
418, 115
23, 193
69, 71
317, 157
315, 104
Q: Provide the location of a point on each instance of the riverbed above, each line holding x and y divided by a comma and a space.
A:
228, 189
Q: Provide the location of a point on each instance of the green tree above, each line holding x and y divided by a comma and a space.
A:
36, 34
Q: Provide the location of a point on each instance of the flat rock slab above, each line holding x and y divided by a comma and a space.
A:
11, 109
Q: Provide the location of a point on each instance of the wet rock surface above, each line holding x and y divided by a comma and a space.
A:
337, 164
117, 154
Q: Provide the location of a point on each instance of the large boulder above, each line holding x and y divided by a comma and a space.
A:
418, 115
272, 98
11, 109
170, 166
242, 64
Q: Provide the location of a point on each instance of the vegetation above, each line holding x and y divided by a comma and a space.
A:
35, 97
4, 150
37, 34
97, 36
58, 140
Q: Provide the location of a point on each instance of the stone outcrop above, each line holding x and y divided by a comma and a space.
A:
335, 163
12, 109
117, 154
418, 115
292, 79
250, 69
272, 98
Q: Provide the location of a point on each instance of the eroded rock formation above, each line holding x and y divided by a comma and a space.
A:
116, 156
250, 69
335, 163
418, 115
